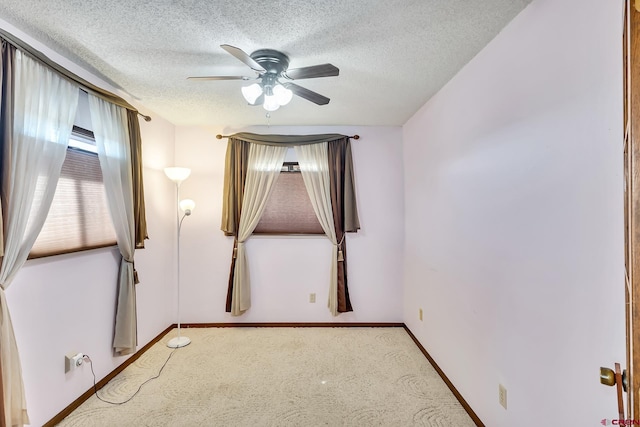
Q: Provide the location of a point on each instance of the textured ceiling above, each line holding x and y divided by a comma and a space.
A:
393, 55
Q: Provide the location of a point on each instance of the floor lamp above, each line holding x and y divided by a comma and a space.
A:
177, 175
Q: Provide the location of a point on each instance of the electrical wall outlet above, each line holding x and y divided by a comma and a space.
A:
312, 297
72, 361
420, 314
502, 396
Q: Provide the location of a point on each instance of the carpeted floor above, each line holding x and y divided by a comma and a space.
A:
279, 377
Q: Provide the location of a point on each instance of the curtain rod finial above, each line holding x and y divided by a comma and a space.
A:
356, 136
218, 136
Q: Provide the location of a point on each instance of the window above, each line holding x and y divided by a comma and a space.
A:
289, 210
79, 216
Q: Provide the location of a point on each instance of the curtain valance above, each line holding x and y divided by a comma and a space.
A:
44, 59
286, 140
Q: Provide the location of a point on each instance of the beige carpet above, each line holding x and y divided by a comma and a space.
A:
279, 377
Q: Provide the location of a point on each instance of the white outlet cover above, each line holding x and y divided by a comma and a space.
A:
502, 396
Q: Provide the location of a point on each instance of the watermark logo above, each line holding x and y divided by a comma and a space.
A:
607, 422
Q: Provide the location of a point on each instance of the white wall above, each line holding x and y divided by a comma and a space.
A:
285, 270
66, 303
514, 218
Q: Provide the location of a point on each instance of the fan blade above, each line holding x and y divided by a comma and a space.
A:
220, 78
322, 70
307, 94
242, 56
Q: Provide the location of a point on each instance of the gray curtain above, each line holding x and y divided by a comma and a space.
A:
6, 126
6, 118
234, 179
345, 211
286, 140
139, 211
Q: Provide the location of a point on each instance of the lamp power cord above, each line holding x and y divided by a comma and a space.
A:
95, 387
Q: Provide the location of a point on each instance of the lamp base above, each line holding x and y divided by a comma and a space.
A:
178, 342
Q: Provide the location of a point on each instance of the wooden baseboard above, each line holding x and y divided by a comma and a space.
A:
292, 325
87, 394
449, 384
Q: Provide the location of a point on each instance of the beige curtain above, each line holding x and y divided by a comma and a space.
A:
44, 107
314, 165
114, 152
263, 167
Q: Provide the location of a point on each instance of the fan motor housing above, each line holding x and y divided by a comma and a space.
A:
273, 61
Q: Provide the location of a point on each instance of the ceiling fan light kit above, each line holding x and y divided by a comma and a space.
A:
272, 68
270, 103
275, 95
251, 93
282, 94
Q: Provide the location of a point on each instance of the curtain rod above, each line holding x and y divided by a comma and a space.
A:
218, 136
146, 118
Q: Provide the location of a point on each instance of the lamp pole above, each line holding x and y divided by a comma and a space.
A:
178, 175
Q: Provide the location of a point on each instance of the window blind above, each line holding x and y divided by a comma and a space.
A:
289, 209
79, 217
